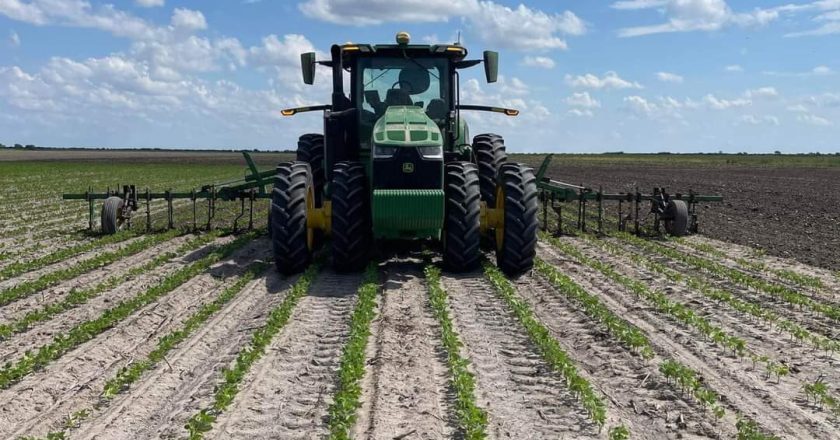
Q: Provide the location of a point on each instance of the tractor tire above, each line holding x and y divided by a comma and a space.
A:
677, 223
490, 154
461, 230
289, 233
516, 242
111, 215
311, 150
351, 217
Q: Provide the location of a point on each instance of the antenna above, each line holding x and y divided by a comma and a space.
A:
459, 38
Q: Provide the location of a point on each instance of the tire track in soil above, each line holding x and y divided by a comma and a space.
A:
806, 362
807, 318
524, 398
287, 393
43, 332
731, 378
17, 309
41, 400
160, 404
639, 395
406, 386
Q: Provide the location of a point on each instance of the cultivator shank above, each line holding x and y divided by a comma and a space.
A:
677, 212
129, 200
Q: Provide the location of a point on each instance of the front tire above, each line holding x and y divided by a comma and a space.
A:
462, 233
351, 222
677, 223
517, 196
289, 232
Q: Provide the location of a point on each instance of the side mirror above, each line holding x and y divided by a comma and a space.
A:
491, 65
307, 66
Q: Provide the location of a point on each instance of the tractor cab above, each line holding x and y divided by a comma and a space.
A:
398, 138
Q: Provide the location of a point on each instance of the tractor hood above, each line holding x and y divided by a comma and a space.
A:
406, 126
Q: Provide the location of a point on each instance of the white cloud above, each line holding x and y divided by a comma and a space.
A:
149, 3
759, 120
734, 68
694, 15
816, 71
188, 19
14, 39
763, 92
641, 106
581, 113
669, 77
519, 28
582, 100
610, 80
811, 119
797, 108
541, 62
724, 104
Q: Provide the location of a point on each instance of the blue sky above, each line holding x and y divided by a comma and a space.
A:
635, 75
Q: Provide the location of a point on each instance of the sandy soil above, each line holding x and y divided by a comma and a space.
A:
406, 386
523, 396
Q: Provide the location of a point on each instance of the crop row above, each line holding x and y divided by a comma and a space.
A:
202, 422
78, 297
62, 343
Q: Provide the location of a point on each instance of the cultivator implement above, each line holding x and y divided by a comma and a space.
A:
120, 204
676, 212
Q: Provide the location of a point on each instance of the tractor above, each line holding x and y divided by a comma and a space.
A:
396, 162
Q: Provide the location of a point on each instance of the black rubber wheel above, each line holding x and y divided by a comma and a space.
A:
461, 230
111, 218
490, 154
351, 222
677, 214
311, 150
516, 242
289, 234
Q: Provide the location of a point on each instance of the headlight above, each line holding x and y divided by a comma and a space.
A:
383, 152
431, 152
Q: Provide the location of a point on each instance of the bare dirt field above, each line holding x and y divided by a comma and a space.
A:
194, 334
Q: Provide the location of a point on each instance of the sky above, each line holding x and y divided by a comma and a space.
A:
588, 77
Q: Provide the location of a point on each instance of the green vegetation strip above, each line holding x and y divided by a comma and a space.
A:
595, 309
797, 278
677, 310
736, 276
473, 420
202, 422
78, 297
818, 391
342, 412
27, 288
130, 374
11, 373
549, 348
751, 308
20, 267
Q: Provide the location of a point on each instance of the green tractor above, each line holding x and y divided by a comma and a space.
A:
396, 162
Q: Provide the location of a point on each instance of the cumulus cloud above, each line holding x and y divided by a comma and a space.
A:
734, 68
763, 92
519, 28
188, 19
724, 104
582, 100
541, 62
14, 39
669, 77
811, 119
759, 120
816, 71
610, 80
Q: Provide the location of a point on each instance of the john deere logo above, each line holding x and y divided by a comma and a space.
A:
408, 167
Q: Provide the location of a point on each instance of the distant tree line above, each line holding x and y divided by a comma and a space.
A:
19, 146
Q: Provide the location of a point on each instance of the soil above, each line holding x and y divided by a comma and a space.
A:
789, 212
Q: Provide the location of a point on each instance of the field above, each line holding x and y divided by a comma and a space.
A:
176, 334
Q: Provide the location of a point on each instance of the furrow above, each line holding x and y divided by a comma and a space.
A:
523, 397
161, 403
734, 379
641, 396
406, 385
296, 376
42, 399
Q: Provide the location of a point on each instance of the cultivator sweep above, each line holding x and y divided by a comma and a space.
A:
676, 212
120, 204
